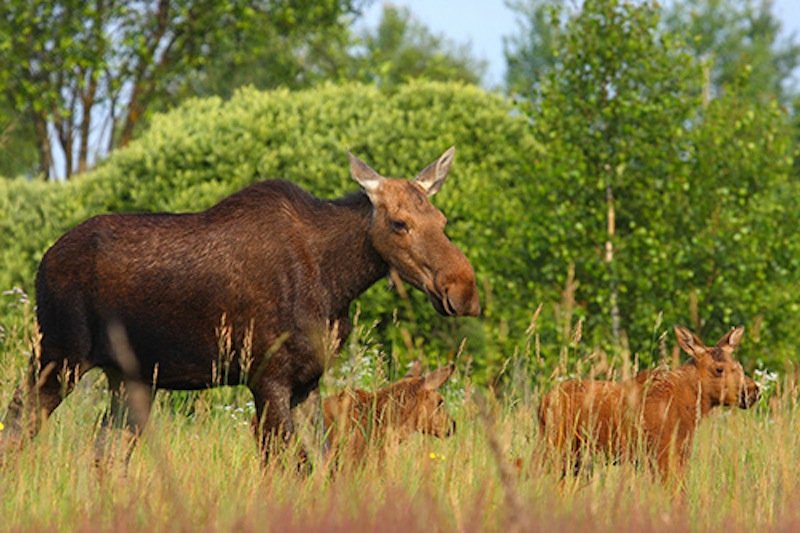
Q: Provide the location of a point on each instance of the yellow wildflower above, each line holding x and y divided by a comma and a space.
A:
432, 455
2, 426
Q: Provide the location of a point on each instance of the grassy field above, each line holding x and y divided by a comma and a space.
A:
197, 468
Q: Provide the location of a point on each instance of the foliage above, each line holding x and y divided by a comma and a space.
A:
736, 36
668, 211
78, 68
17, 143
92, 73
401, 49
284, 44
195, 155
729, 37
532, 51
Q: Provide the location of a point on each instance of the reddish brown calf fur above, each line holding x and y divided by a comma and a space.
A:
145, 297
659, 409
354, 418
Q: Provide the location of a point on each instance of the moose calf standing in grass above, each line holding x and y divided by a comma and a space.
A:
356, 418
659, 409
144, 297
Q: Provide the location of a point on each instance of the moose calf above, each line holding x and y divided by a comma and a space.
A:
356, 418
658, 408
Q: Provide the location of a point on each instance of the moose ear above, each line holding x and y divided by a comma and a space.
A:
732, 339
432, 177
415, 370
369, 180
689, 342
436, 379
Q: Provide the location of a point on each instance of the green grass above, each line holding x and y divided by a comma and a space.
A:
198, 469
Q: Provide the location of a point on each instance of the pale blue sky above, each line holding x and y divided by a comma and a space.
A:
483, 23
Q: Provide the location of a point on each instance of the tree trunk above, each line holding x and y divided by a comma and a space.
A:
43, 145
87, 102
609, 258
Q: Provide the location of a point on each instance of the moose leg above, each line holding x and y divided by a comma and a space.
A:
128, 411
33, 402
273, 423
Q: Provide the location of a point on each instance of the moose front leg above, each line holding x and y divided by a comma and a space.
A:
272, 424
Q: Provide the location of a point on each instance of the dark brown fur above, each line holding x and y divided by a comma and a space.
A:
658, 408
256, 289
354, 418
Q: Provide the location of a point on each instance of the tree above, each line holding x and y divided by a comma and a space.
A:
650, 201
531, 53
401, 49
17, 143
739, 39
89, 73
286, 45
613, 113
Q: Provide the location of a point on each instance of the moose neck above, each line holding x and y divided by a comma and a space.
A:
348, 261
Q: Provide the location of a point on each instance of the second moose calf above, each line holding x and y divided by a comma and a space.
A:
658, 408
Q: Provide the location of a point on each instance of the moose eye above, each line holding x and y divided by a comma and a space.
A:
398, 226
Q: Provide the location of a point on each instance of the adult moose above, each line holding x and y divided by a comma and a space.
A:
145, 297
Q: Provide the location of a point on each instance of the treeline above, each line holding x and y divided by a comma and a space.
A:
627, 190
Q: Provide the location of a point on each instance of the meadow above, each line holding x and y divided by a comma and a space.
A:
637, 181
196, 466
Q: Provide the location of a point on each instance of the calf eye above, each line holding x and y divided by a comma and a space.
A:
719, 371
398, 226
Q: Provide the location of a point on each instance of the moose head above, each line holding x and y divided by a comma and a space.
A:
408, 233
721, 376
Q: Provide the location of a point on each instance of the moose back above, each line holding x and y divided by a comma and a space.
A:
147, 297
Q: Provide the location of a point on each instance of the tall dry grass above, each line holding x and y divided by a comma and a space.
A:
196, 467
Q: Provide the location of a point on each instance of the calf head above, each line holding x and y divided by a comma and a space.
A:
408, 232
721, 376
418, 405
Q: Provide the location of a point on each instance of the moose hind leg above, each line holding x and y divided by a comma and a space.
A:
34, 402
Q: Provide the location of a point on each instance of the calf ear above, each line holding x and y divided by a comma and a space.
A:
369, 180
689, 342
732, 339
415, 370
432, 177
436, 379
